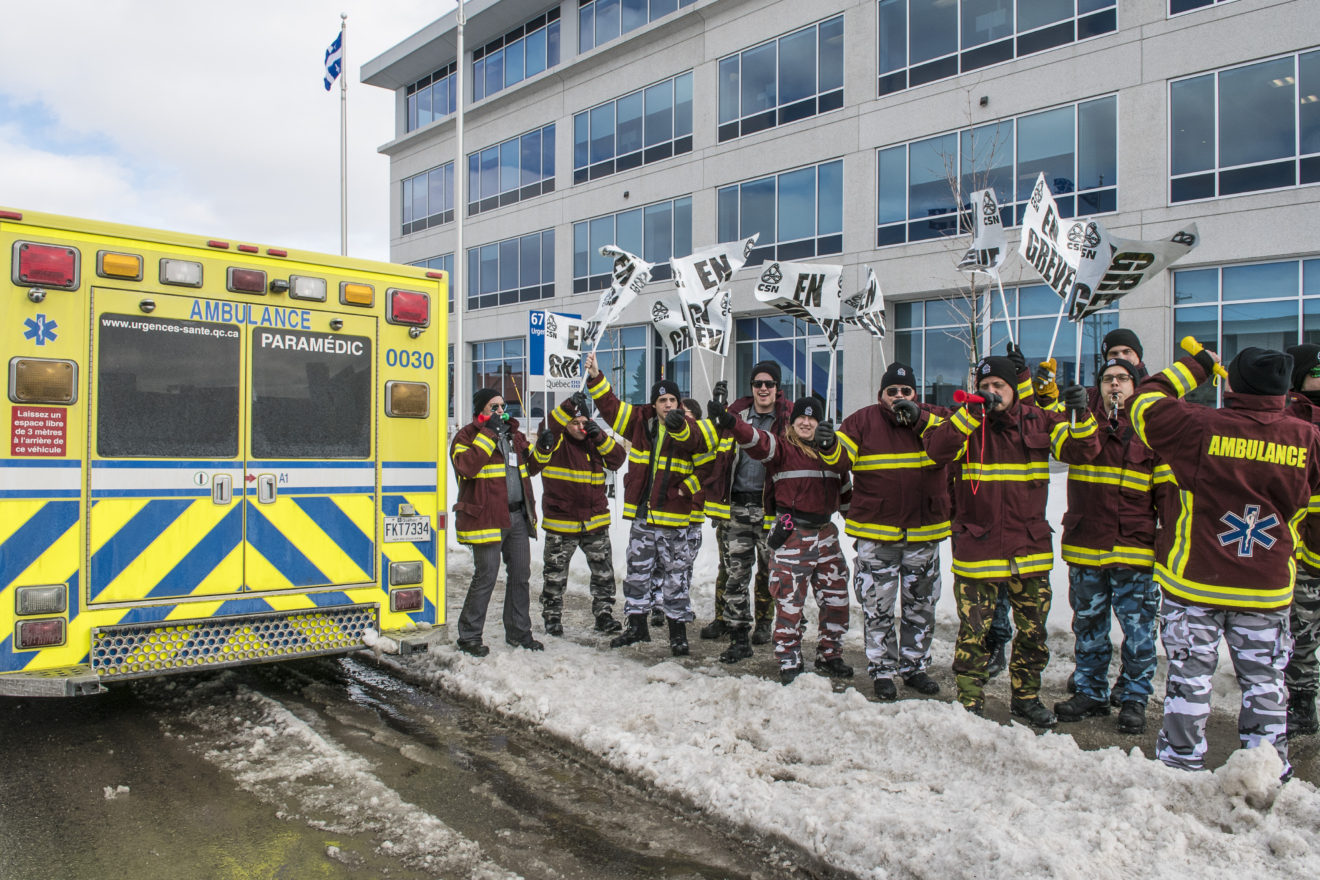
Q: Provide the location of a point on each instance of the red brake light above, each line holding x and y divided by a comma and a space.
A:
409, 307
406, 600
40, 633
440, 521
247, 280
45, 264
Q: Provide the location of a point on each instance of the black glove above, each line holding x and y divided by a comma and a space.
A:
722, 392
1207, 363
992, 400
581, 404
717, 413
674, 419
546, 441
1019, 360
824, 438
592, 430
501, 423
1074, 399
906, 412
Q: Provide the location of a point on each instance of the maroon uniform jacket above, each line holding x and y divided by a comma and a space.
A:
482, 508
1308, 548
1247, 475
573, 478
720, 484
805, 485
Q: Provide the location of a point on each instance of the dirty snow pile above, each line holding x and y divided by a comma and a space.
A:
915, 788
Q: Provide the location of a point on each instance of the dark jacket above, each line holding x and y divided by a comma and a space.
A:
573, 478
720, 484
1308, 548
801, 483
482, 508
1247, 474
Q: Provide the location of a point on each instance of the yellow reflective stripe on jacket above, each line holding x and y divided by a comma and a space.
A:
710, 434
561, 417
657, 517
849, 443
1020, 472
716, 510
1110, 476
479, 536
1036, 563
1137, 557
964, 421
891, 461
832, 457
1182, 530
572, 526
571, 476
1236, 597
676, 465
1163, 473
490, 472
876, 532
607, 447
483, 442
1063, 430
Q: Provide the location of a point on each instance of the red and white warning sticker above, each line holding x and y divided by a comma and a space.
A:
38, 431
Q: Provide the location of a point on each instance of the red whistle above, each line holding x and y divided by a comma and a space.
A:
960, 396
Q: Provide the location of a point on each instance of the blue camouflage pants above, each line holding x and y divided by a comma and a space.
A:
1259, 644
657, 561
1135, 601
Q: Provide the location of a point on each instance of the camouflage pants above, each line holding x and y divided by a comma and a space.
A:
657, 559
742, 547
600, 559
763, 604
1259, 644
1030, 600
1135, 601
886, 569
692, 546
1304, 620
810, 557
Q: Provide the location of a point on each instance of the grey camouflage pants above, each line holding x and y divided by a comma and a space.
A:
884, 570
691, 547
1259, 644
742, 541
600, 560
657, 559
1304, 616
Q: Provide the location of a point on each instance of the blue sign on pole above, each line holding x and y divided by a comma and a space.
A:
536, 341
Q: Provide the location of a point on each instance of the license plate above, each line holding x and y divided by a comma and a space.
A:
407, 528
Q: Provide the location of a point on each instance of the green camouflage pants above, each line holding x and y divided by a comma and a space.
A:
559, 549
1030, 599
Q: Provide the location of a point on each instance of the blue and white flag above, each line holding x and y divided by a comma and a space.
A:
334, 60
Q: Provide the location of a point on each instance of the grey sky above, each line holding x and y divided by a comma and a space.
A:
198, 117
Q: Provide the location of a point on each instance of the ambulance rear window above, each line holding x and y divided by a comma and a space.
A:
311, 394
166, 388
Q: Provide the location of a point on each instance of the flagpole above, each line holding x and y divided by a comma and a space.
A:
343, 135
458, 276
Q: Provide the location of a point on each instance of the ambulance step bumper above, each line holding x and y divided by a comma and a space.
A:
411, 641
69, 681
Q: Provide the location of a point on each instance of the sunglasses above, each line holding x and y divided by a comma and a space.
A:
900, 391
1118, 377
764, 383
496, 407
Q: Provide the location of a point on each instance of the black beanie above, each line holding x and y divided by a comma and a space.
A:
1117, 362
898, 374
1122, 336
1305, 358
481, 398
808, 406
995, 365
1260, 371
663, 387
766, 367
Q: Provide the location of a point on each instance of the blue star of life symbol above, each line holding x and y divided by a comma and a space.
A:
40, 329
1248, 530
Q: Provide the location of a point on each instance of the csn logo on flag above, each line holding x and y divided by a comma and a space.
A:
334, 61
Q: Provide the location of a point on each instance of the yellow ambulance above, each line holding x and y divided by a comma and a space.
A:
216, 453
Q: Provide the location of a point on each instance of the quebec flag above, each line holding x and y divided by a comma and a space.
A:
334, 60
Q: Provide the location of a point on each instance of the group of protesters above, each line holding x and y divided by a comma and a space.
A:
1183, 520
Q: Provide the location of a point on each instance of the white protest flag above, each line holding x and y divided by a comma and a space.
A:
805, 290
700, 274
1130, 264
564, 347
989, 245
866, 308
712, 324
630, 274
1041, 246
669, 316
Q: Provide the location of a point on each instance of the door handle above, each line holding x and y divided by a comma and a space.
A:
222, 489
266, 488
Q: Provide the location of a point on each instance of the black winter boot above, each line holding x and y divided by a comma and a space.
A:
553, 626
740, 648
1033, 711
998, 659
657, 616
834, 667
1132, 717
605, 623
1080, 706
715, 629
1302, 719
763, 632
678, 643
636, 631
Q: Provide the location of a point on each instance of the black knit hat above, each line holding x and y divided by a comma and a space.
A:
663, 387
481, 398
898, 374
1305, 359
1130, 368
995, 365
808, 406
770, 367
1260, 371
1122, 336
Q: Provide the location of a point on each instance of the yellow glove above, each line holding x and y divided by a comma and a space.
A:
1043, 382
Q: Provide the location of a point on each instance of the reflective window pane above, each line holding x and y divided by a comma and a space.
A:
1261, 281
629, 109
891, 175
797, 205
1045, 144
757, 210
797, 66
1097, 143
1257, 121
893, 35
933, 29
659, 102
984, 21
758, 87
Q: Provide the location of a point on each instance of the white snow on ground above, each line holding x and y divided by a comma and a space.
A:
276, 756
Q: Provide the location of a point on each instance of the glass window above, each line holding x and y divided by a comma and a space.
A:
527, 50
520, 168
443, 263
428, 199
648, 125
431, 97
163, 393
600, 21
1179, 6
798, 214
786, 341
655, 233
308, 403
511, 271
501, 365
793, 77
622, 357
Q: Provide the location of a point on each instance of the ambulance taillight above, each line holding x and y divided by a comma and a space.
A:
40, 380
183, 273
407, 400
306, 287
406, 600
408, 307
29, 634
47, 265
114, 265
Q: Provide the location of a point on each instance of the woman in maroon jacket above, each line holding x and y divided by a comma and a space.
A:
806, 469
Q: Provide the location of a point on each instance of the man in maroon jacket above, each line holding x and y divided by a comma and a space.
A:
1304, 615
496, 515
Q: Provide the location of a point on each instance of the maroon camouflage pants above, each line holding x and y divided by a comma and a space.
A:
810, 557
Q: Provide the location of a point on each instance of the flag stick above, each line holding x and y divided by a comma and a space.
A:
1003, 303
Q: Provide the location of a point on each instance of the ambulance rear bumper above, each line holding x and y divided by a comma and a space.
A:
69, 681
